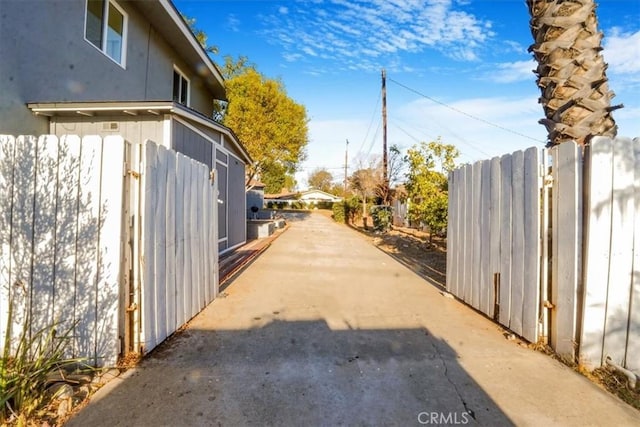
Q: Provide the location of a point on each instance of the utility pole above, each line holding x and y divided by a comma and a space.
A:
346, 150
385, 175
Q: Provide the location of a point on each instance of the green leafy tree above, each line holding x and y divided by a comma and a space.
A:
321, 179
276, 178
367, 183
200, 35
427, 167
271, 125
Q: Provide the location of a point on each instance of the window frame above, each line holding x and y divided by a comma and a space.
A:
104, 28
183, 77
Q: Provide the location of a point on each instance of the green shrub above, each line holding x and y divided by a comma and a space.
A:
346, 211
339, 212
26, 369
382, 218
325, 204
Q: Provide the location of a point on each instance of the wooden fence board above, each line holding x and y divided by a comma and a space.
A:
485, 236
462, 236
110, 251
475, 260
517, 248
186, 232
89, 225
566, 242
193, 250
213, 235
495, 225
66, 232
160, 222
462, 224
148, 242
468, 229
22, 230
170, 253
7, 145
181, 317
456, 263
451, 230
199, 236
621, 257
633, 345
44, 227
531, 277
597, 244
505, 239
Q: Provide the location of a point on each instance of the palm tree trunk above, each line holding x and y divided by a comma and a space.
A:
571, 70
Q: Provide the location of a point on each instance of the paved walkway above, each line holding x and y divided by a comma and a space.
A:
323, 329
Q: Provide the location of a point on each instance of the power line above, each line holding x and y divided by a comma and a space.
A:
453, 133
373, 115
373, 140
465, 113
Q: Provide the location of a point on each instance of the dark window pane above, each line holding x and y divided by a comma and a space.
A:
184, 91
176, 86
95, 16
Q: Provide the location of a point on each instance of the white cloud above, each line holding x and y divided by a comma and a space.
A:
233, 23
622, 52
510, 72
340, 29
514, 46
283, 10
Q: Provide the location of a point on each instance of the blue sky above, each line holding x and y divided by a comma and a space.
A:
456, 70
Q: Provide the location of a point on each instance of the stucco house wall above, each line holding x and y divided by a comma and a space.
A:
46, 58
52, 80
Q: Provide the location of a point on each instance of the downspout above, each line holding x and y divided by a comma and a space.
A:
632, 378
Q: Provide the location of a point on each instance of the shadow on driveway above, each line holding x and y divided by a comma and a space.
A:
297, 373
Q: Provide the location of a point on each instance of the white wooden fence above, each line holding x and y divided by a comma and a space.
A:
493, 239
177, 245
109, 240
516, 251
60, 227
611, 325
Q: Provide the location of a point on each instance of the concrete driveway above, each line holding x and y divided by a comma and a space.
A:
325, 330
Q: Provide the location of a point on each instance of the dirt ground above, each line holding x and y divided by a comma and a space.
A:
413, 249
